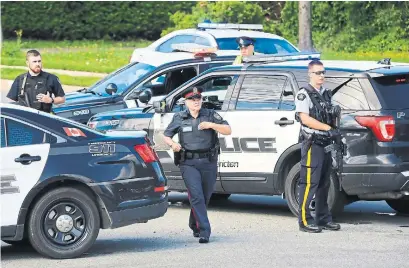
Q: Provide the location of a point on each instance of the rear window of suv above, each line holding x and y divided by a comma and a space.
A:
393, 90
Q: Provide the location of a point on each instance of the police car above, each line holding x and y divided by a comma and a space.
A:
62, 181
221, 36
140, 83
262, 156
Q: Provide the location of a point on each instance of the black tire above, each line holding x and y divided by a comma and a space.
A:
399, 205
45, 219
336, 198
216, 197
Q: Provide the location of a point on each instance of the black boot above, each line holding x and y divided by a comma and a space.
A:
332, 226
203, 240
310, 228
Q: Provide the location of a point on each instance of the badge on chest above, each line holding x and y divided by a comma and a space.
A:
187, 129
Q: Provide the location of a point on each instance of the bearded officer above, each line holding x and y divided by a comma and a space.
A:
316, 133
198, 130
246, 46
36, 89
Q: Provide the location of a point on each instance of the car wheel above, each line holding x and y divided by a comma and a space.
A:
336, 199
399, 205
64, 223
220, 197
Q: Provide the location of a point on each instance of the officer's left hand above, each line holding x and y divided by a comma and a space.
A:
205, 125
44, 98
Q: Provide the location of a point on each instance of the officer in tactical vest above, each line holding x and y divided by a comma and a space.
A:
198, 149
314, 111
246, 46
36, 89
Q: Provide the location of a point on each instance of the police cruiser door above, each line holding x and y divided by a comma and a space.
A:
23, 155
216, 88
261, 116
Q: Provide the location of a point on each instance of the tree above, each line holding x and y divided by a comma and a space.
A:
304, 26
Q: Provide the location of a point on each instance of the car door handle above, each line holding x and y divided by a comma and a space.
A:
283, 122
27, 159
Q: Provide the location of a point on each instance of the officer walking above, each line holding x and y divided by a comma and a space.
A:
246, 46
36, 88
197, 130
312, 106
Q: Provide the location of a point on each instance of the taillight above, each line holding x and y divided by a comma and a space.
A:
146, 152
383, 127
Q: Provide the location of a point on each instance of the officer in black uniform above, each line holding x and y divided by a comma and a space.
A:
313, 104
36, 89
246, 46
197, 130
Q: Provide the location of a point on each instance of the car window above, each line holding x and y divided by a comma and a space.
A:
201, 41
166, 47
287, 100
393, 90
350, 96
19, 134
262, 45
123, 79
2, 133
261, 92
214, 91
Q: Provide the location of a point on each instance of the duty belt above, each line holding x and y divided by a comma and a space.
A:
196, 155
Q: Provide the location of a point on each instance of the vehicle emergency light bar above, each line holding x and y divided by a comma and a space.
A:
235, 26
281, 57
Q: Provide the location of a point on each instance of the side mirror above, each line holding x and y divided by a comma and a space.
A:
287, 93
159, 106
111, 88
145, 96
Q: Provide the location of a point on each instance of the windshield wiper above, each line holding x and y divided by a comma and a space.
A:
93, 92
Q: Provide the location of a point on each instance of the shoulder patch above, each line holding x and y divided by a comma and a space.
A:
217, 116
301, 96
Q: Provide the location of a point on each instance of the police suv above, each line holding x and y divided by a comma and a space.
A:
62, 181
262, 156
140, 83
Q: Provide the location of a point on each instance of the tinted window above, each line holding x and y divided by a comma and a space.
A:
261, 92
123, 79
394, 90
201, 41
350, 96
262, 45
2, 133
166, 47
19, 134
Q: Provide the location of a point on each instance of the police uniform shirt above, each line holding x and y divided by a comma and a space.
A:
53, 83
303, 104
204, 115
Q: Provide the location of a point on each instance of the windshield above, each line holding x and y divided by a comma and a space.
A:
394, 90
122, 78
262, 45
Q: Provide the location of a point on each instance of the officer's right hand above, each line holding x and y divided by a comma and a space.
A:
176, 147
334, 133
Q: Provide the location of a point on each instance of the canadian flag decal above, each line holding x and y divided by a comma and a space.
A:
74, 132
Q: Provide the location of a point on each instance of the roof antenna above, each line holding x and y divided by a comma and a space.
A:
386, 61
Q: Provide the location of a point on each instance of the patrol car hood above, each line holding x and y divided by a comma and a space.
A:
75, 100
122, 114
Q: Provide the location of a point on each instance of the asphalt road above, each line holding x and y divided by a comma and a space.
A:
248, 231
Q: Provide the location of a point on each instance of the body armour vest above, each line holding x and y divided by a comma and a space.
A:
321, 106
30, 87
193, 139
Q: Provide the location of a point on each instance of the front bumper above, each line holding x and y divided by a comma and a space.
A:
142, 214
366, 183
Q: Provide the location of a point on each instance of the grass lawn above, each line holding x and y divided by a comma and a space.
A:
11, 74
107, 56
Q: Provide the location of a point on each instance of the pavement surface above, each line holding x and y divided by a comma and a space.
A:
247, 231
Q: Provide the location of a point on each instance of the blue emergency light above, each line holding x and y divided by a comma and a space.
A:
282, 57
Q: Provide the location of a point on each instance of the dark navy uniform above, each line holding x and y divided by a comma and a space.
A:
198, 163
243, 41
25, 88
316, 164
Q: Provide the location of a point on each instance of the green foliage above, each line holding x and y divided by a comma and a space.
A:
88, 19
221, 12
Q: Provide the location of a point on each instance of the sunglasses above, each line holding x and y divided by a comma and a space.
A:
319, 72
194, 98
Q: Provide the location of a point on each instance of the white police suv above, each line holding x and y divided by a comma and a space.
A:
262, 156
221, 36
62, 181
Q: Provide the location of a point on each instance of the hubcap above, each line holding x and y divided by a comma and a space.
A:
64, 223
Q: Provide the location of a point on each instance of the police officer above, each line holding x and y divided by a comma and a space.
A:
197, 128
316, 133
246, 46
36, 89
